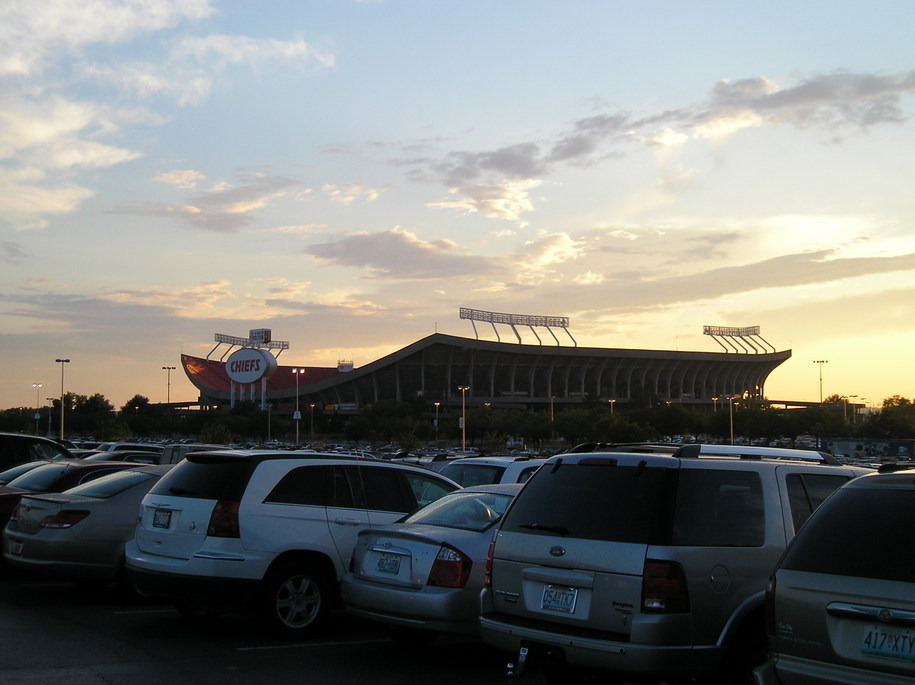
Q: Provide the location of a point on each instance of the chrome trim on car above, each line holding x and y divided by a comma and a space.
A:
882, 614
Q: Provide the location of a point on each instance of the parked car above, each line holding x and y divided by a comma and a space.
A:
423, 575
487, 470
79, 533
268, 532
17, 470
16, 448
56, 476
841, 604
649, 566
132, 446
136, 457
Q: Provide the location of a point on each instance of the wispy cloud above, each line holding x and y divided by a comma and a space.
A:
399, 254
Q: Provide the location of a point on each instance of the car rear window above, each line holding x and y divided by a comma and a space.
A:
473, 474
41, 479
858, 532
112, 484
215, 479
596, 499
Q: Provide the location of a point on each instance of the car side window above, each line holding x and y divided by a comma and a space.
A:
380, 489
719, 509
806, 491
41, 450
304, 485
425, 490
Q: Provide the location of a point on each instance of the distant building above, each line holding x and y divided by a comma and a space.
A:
501, 374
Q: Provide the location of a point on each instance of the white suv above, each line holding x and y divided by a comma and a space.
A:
490, 470
264, 531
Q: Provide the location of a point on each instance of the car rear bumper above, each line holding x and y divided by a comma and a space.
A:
227, 592
440, 610
682, 661
791, 670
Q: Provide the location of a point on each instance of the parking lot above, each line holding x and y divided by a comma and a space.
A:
60, 632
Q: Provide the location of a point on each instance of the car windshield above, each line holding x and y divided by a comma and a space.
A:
464, 510
41, 479
112, 484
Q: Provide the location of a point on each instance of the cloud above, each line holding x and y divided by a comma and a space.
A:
399, 254
351, 193
12, 253
494, 183
38, 35
185, 179
509, 200
224, 209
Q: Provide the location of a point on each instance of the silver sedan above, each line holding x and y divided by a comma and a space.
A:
423, 576
79, 533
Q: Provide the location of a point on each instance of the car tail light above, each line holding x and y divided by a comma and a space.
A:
769, 607
450, 568
63, 519
487, 570
15, 515
664, 588
224, 521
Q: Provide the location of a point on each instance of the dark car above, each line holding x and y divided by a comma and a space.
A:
17, 448
56, 476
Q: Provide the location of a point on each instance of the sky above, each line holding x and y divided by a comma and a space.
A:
350, 174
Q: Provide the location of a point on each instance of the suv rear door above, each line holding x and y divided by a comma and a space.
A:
572, 546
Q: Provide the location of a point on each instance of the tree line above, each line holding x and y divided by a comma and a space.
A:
412, 423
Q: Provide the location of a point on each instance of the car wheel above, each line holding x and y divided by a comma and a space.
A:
293, 600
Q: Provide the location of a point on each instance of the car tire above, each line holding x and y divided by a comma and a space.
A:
294, 600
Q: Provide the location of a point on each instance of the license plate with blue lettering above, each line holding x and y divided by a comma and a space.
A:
561, 599
892, 643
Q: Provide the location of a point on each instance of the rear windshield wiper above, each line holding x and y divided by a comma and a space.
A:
559, 530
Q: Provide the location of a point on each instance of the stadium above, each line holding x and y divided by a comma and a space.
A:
453, 371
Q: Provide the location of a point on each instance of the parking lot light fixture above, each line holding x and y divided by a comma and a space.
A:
463, 389
62, 362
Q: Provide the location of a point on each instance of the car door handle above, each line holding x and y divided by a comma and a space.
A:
349, 522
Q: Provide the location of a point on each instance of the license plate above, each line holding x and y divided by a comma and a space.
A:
162, 518
561, 599
893, 643
15, 548
388, 563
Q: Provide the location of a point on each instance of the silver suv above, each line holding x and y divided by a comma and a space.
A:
649, 566
841, 604
268, 532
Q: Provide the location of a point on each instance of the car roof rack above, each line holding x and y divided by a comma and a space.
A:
754, 452
629, 447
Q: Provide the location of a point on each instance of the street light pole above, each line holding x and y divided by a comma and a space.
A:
37, 387
731, 399
819, 363
311, 414
297, 416
168, 383
437, 404
463, 389
62, 362
612, 404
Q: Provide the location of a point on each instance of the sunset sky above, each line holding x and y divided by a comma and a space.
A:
349, 174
